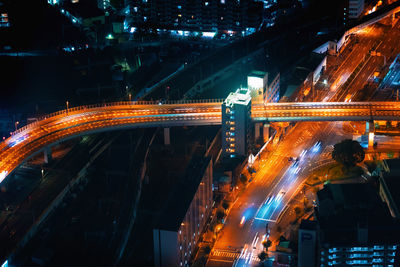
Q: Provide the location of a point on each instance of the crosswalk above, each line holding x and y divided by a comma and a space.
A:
233, 255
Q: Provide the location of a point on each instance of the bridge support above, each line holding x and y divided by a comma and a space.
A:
167, 139
266, 132
47, 155
370, 131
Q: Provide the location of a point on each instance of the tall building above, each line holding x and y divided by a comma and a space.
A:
193, 15
236, 116
176, 234
355, 227
263, 91
354, 9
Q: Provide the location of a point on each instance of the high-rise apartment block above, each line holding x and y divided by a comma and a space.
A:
193, 15
236, 119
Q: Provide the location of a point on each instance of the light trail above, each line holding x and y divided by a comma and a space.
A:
61, 125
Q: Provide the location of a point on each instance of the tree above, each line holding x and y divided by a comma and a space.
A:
348, 153
243, 178
263, 256
225, 205
267, 244
297, 211
207, 249
220, 214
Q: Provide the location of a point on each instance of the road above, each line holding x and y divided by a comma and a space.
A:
268, 194
70, 123
277, 181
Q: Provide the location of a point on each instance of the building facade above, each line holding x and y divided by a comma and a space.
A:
263, 91
205, 15
236, 119
179, 230
373, 255
355, 9
355, 227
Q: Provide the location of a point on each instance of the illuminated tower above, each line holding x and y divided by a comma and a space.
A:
236, 115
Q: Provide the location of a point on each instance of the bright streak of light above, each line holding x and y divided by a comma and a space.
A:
270, 200
5, 264
16, 140
243, 220
316, 147
303, 153
3, 175
280, 195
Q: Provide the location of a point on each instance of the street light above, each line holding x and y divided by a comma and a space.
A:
130, 97
16, 125
67, 103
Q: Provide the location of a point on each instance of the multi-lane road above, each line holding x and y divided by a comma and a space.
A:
278, 179
83, 120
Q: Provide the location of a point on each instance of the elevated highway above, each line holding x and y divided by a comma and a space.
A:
62, 125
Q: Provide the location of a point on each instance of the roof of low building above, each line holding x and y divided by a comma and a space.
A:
344, 209
181, 197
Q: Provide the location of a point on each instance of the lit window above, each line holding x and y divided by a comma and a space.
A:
222, 1
232, 145
144, 18
179, 7
206, 3
222, 18
179, 15
135, 9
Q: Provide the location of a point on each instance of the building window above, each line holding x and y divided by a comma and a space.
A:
206, 3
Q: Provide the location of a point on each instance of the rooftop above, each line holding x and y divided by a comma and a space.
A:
181, 197
241, 97
345, 209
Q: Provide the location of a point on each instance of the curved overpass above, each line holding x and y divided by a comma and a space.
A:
64, 124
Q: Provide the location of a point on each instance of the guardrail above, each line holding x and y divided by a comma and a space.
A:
114, 104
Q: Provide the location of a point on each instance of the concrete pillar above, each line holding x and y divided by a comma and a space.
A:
266, 132
167, 139
257, 127
47, 155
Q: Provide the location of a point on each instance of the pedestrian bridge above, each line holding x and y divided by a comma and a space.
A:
82, 120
